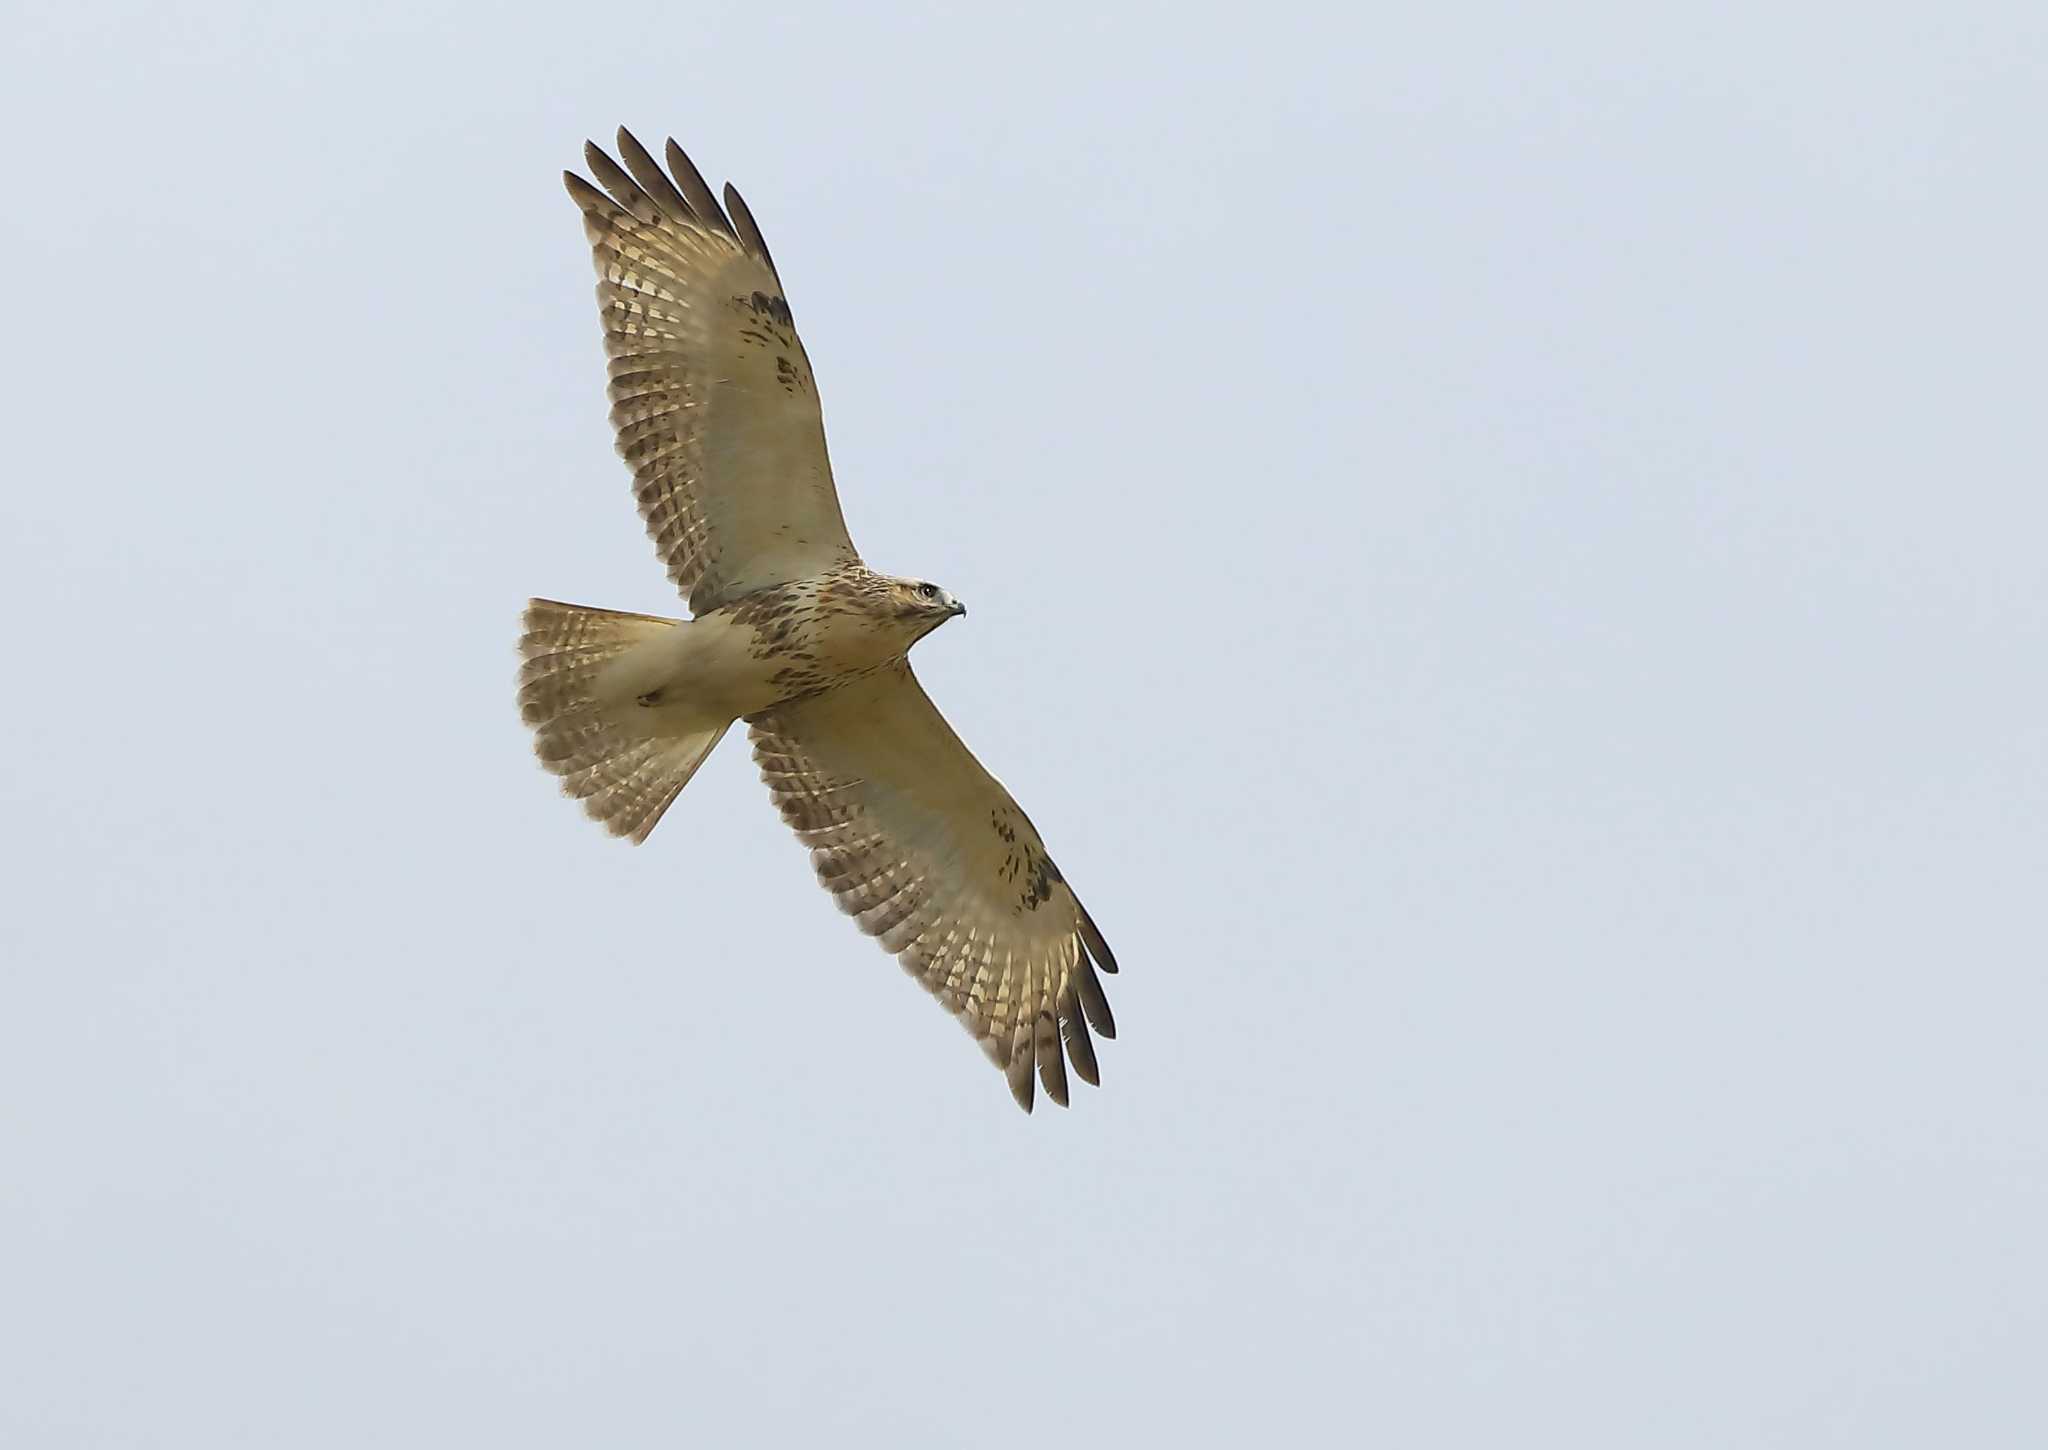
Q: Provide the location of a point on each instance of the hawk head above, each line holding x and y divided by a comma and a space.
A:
922, 605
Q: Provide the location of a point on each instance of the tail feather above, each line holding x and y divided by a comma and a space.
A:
624, 775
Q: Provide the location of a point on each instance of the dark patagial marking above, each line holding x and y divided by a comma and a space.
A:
770, 325
1024, 862
766, 305
1038, 890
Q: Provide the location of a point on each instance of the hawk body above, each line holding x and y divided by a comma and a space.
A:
716, 413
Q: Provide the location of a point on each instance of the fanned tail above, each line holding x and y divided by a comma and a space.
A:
608, 758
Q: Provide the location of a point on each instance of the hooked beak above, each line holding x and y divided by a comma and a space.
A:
959, 609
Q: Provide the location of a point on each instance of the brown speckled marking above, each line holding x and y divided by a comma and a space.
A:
1022, 861
768, 306
832, 628
772, 327
1038, 889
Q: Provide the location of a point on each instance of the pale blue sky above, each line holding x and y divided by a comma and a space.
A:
1506, 552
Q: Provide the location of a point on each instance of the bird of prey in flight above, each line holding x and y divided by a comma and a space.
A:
716, 414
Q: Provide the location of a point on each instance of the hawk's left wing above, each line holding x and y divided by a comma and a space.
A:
928, 852
712, 398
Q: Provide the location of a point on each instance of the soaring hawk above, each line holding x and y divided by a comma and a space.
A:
717, 416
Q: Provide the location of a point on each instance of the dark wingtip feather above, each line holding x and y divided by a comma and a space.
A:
694, 188
1052, 1066
749, 232
612, 177
1080, 1048
1094, 1003
1019, 1073
653, 180
1097, 947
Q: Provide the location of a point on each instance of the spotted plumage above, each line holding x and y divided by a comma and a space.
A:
716, 413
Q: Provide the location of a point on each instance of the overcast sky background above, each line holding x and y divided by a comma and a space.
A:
1506, 551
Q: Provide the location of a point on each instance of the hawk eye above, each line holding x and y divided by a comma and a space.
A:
928, 591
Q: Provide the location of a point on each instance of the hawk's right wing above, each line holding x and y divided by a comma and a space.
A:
928, 852
712, 398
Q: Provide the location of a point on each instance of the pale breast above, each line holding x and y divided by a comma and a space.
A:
812, 634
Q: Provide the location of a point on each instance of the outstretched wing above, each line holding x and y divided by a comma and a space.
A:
712, 397
926, 850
